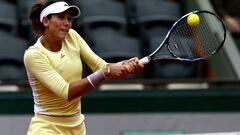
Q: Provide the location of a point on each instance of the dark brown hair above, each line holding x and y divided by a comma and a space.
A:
38, 27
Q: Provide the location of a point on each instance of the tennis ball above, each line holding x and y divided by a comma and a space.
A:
193, 20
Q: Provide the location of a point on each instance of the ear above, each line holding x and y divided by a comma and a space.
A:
45, 21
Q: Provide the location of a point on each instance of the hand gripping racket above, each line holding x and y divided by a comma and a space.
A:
188, 42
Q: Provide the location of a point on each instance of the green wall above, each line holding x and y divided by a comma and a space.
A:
205, 100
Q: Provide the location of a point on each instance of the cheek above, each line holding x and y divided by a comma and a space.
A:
54, 26
70, 23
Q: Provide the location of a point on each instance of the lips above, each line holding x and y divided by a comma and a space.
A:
64, 30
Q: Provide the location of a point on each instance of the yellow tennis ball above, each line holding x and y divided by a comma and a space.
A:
193, 20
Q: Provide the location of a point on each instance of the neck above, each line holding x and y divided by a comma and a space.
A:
51, 44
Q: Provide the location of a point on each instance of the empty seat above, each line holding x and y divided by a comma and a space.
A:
154, 18
102, 14
169, 69
10, 73
11, 47
11, 57
103, 11
117, 47
8, 18
24, 11
24, 21
150, 32
156, 10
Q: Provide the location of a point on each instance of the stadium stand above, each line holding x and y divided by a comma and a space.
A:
135, 25
208, 104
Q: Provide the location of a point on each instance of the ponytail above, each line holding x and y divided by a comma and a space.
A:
38, 27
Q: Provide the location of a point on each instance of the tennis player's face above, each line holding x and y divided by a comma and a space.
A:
59, 25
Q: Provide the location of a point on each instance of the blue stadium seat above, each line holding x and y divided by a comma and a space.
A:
8, 20
23, 11
106, 15
170, 69
117, 47
11, 58
156, 10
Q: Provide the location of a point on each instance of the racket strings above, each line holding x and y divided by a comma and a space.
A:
210, 42
193, 42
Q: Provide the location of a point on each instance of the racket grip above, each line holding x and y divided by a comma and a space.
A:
144, 60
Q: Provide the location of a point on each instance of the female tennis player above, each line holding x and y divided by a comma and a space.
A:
54, 67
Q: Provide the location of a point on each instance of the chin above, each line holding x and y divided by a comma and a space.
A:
63, 36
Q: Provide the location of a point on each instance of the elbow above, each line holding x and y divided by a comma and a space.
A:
70, 95
70, 98
78, 89
67, 94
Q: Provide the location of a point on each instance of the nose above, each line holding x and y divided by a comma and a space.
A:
67, 21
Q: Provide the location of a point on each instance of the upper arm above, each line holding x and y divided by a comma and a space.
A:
88, 56
38, 65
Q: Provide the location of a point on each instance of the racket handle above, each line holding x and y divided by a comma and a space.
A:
144, 60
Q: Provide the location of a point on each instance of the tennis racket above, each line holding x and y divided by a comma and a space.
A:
192, 43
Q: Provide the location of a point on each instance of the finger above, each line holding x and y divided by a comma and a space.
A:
128, 69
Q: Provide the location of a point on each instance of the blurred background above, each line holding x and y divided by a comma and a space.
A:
169, 97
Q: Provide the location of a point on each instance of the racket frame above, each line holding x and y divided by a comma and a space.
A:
149, 58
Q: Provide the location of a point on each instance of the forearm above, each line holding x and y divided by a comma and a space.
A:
80, 87
112, 71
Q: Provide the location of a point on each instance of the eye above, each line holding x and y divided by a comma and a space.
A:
61, 17
69, 18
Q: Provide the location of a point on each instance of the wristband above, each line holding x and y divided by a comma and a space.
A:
96, 78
